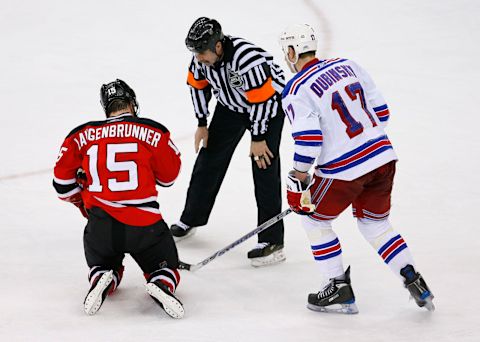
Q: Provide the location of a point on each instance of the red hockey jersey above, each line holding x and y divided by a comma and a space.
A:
123, 158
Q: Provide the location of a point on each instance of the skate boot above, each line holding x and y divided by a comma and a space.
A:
181, 231
99, 290
266, 253
417, 287
162, 296
337, 296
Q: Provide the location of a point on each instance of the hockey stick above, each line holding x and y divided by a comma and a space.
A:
259, 229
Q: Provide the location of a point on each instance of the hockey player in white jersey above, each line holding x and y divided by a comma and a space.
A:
338, 118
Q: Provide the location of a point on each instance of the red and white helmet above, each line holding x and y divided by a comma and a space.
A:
301, 37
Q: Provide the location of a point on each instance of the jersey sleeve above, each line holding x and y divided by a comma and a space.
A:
373, 95
200, 91
68, 162
167, 161
306, 131
260, 93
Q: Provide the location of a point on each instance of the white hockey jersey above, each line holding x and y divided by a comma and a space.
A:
338, 118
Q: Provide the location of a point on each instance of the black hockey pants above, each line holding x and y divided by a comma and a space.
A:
106, 241
224, 133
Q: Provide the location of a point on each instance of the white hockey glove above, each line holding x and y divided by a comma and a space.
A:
298, 194
81, 178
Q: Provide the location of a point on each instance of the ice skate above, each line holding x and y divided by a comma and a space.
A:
417, 287
163, 297
181, 231
336, 297
265, 253
98, 292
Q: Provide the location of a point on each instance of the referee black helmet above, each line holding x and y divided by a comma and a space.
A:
204, 35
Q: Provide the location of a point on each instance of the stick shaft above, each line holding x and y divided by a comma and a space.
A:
235, 243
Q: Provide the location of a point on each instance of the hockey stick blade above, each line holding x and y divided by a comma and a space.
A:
193, 267
184, 266
188, 267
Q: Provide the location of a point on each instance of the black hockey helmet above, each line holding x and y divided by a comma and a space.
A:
204, 35
117, 90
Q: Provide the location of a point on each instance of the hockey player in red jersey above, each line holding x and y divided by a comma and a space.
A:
124, 157
338, 118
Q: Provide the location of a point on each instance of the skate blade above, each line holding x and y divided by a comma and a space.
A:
426, 303
429, 304
171, 305
272, 259
94, 301
348, 309
190, 233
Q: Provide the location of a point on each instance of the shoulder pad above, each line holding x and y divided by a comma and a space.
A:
152, 123
80, 127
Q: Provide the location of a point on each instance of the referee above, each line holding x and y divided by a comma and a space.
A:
247, 85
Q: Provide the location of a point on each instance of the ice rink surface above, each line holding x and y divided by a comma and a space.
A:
423, 55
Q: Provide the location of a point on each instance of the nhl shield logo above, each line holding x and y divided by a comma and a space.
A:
234, 79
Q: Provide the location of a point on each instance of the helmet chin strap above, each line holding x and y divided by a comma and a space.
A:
135, 108
292, 68
291, 65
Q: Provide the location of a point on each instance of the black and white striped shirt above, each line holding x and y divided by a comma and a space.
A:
246, 81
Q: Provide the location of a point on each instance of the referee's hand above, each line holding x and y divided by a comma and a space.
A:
201, 135
261, 154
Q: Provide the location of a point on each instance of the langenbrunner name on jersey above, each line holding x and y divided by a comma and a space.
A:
119, 130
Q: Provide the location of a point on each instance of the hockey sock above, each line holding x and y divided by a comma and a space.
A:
97, 271
388, 243
326, 248
117, 278
169, 277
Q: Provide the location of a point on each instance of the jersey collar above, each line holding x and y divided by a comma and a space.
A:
228, 51
309, 64
123, 115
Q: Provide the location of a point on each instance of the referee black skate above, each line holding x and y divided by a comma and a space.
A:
247, 85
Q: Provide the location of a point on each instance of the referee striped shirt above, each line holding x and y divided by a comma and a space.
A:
246, 81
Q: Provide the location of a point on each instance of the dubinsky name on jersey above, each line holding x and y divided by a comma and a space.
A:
123, 158
338, 118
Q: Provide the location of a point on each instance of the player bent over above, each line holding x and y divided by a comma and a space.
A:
338, 118
124, 157
247, 85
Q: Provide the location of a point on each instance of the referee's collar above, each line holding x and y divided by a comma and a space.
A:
228, 51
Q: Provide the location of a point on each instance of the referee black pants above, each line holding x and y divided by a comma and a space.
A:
224, 133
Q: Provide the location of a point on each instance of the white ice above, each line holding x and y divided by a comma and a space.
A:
56, 54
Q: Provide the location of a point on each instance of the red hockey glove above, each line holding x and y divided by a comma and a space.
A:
77, 201
298, 194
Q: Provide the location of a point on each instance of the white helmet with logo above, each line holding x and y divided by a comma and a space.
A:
301, 37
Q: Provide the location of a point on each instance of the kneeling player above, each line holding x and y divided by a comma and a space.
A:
338, 118
124, 157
